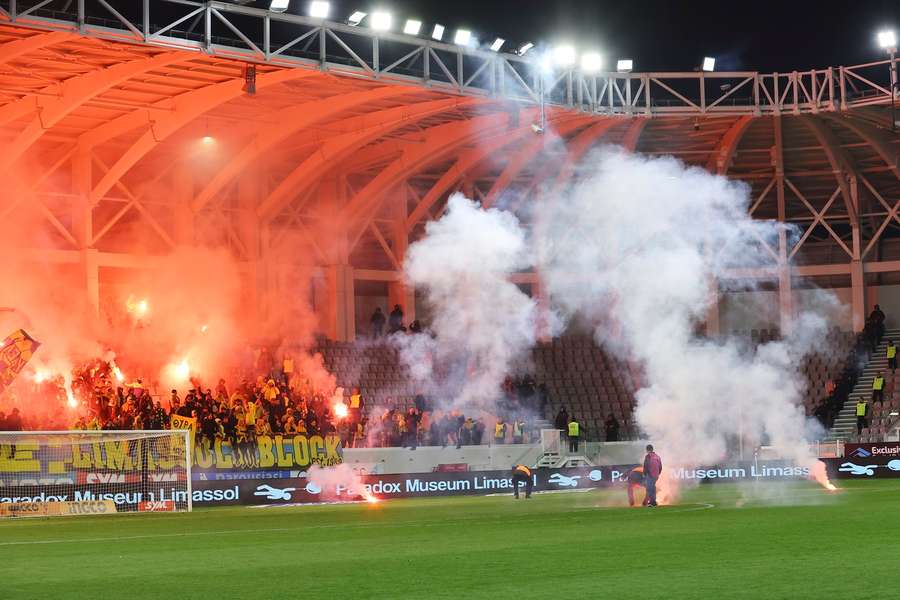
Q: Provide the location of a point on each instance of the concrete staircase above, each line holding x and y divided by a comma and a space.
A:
844, 428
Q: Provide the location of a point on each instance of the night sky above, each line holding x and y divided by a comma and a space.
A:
759, 35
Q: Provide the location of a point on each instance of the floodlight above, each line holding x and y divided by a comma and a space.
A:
545, 63
525, 48
381, 21
624, 65
438, 32
279, 6
412, 27
564, 56
887, 39
319, 9
356, 18
498, 43
709, 63
591, 62
463, 37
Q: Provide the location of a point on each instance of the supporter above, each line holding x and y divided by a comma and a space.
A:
478, 432
518, 431
377, 323
395, 320
499, 432
415, 327
13, 422
612, 428
562, 419
466, 435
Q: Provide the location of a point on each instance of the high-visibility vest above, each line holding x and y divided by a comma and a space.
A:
878, 383
354, 401
891, 351
573, 429
861, 409
498, 430
524, 470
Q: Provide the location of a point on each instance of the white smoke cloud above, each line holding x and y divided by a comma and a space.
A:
483, 322
635, 246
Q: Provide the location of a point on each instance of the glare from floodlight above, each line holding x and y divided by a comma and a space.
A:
319, 9
524, 48
887, 39
279, 6
545, 63
381, 21
356, 18
709, 64
624, 65
591, 62
438, 32
498, 43
412, 27
564, 56
463, 37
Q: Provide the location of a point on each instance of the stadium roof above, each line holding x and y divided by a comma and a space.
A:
161, 131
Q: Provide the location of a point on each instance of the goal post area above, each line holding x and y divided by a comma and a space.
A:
50, 473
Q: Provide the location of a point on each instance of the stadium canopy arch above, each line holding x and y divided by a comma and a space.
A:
288, 140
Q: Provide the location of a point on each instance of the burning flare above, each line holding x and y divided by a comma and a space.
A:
340, 410
137, 307
820, 475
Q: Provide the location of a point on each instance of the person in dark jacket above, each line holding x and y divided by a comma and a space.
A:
395, 319
652, 470
377, 322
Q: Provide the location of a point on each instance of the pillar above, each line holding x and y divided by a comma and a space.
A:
713, 328
401, 291
857, 295
83, 228
785, 299
339, 313
183, 192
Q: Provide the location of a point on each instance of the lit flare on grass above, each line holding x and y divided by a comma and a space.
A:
819, 474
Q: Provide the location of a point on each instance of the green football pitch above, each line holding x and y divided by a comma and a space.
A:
801, 543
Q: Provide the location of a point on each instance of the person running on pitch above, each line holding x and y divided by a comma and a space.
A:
522, 474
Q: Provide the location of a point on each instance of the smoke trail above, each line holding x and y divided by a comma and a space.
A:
637, 244
483, 322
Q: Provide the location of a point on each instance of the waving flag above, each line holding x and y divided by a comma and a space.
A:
15, 352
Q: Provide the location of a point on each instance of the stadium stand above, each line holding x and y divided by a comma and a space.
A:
578, 375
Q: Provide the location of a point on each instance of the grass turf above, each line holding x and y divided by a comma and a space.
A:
803, 543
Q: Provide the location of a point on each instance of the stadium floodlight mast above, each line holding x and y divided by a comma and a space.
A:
524, 48
319, 9
709, 64
279, 6
356, 18
498, 43
564, 56
591, 62
624, 65
438, 32
887, 40
462, 37
381, 20
412, 27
